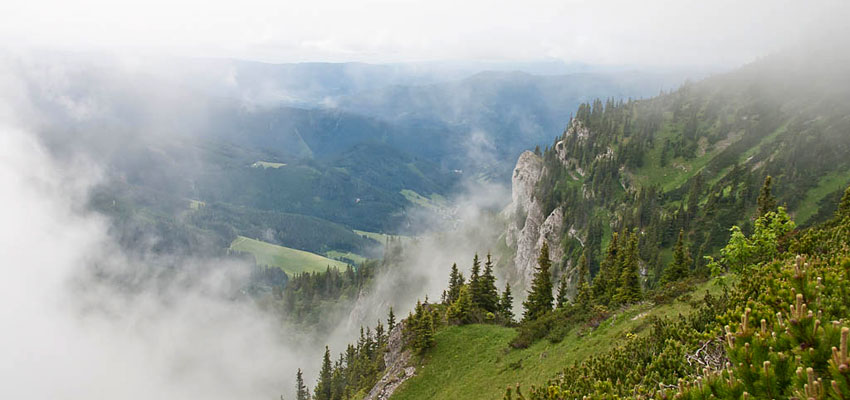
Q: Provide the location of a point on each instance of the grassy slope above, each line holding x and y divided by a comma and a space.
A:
433, 201
290, 260
381, 237
339, 255
475, 361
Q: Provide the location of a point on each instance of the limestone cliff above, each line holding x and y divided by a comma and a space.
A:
527, 226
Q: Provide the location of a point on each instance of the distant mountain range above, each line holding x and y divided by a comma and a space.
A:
354, 138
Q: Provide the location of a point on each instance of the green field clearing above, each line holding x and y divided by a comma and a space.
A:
290, 260
380, 237
338, 255
434, 201
475, 361
267, 164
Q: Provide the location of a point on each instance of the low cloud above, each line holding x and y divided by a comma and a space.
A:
81, 319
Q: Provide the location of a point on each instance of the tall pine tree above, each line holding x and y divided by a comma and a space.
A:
301, 392
681, 264
540, 299
475, 287
606, 278
390, 321
489, 295
766, 201
583, 295
324, 386
455, 282
629, 290
562, 299
506, 305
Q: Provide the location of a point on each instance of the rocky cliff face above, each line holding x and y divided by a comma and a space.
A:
528, 228
398, 368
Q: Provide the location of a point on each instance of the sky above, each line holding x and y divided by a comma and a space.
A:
648, 32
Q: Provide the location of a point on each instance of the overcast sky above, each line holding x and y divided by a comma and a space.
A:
639, 32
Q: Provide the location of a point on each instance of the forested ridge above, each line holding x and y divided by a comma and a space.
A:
737, 183
693, 160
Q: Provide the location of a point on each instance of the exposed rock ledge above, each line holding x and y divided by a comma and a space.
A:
527, 226
398, 370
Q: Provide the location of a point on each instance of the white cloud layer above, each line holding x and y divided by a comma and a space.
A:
66, 334
652, 32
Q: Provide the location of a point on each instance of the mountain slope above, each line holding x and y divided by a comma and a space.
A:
663, 185
691, 160
473, 361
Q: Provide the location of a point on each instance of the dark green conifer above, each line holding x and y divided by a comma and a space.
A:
475, 287
455, 282
301, 392
562, 299
694, 195
583, 294
506, 304
766, 201
324, 386
489, 295
629, 290
540, 298
603, 280
391, 320
681, 264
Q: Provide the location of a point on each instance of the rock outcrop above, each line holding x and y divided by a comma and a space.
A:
397, 363
581, 132
528, 227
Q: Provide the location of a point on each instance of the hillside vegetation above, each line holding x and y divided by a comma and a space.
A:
664, 198
693, 160
476, 361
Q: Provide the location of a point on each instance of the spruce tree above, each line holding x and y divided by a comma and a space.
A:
380, 335
766, 201
391, 321
301, 392
324, 385
461, 311
603, 280
475, 289
694, 195
681, 264
489, 296
540, 299
506, 305
562, 299
629, 290
455, 282
428, 327
583, 295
